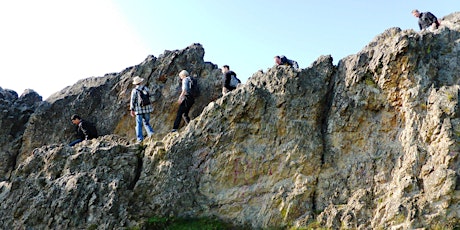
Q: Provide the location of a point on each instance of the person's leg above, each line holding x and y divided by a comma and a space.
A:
139, 134
75, 142
188, 105
148, 128
186, 118
180, 111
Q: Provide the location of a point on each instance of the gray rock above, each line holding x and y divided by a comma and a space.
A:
14, 115
105, 100
372, 143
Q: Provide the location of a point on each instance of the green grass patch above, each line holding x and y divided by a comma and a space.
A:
187, 224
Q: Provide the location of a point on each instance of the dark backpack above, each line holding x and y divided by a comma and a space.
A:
194, 88
144, 97
234, 81
283, 59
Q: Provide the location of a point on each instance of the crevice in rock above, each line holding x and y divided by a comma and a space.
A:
328, 99
138, 170
14, 158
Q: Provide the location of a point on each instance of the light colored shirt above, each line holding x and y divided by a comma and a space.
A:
186, 82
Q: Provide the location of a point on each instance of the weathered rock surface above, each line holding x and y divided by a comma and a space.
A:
61, 187
15, 112
105, 100
372, 143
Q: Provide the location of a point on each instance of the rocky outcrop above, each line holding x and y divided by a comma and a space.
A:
372, 143
252, 157
392, 143
105, 100
15, 112
61, 187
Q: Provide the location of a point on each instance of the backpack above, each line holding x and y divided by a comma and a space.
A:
283, 59
194, 88
234, 81
144, 97
295, 65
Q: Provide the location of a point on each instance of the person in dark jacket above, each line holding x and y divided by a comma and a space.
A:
426, 20
282, 60
227, 80
85, 130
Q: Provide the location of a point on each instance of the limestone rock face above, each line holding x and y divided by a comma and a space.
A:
105, 100
372, 143
15, 112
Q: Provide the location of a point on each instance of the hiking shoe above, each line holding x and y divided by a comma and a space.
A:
174, 130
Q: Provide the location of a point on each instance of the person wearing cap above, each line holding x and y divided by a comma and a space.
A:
185, 101
85, 130
142, 113
426, 20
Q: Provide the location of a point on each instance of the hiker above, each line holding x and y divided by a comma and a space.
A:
426, 20
229, 80
282, 60
85, 130
141, 108
185, 101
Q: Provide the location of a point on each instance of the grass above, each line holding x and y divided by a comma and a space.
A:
312, 225
187, 224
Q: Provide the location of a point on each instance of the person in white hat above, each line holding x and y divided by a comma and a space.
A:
141, 108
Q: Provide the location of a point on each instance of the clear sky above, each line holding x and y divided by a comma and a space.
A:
47, 45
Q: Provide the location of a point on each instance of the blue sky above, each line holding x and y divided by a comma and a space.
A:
49, 44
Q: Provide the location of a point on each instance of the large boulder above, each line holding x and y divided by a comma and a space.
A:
105, 100
62, 187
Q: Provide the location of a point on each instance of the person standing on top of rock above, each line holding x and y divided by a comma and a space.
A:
426, 20
229, 80
282, 60
85, 130
185, 101
141, 108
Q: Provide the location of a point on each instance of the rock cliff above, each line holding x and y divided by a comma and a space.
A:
13, 119
372, 143
105, 100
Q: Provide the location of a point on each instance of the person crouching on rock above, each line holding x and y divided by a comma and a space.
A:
85, 130
426, 20
282, 60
